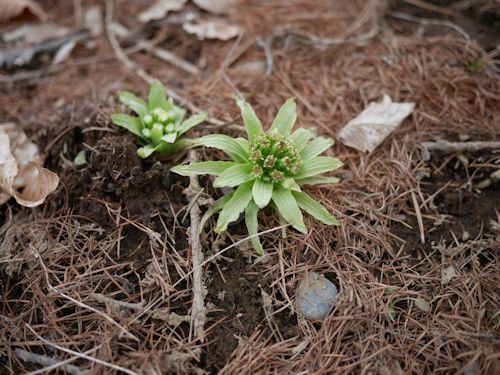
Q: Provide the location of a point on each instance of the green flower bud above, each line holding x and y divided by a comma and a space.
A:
146, 132
148, 119
170, 128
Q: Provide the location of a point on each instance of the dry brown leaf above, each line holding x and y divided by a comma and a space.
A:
216, 6
160, 9
10, 9
21, 168
374, 124
212, 29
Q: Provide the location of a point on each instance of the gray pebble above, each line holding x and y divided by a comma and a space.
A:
315, 296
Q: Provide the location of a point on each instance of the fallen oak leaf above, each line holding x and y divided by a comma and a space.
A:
10, 9
21, 168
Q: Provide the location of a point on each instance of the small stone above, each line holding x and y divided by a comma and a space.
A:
315, 296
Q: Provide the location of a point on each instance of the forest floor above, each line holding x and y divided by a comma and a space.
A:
416, 258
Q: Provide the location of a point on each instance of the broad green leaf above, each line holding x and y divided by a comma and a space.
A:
253, 125
234, 176
318, 180
169, 138
206, 167
317, 165
290, 184
217, 206
314, 208
179, 113
227, 144
262, 192
286, 117
316, 147
243, 143
300, 137
132, 124
136, 104
288, 208
192, 122
235, 206
253, 226
146, 151
156, 97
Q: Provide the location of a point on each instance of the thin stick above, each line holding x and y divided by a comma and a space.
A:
419, 217
49, 362
118, 304
81, 355
451, 147
198, 310
119, 51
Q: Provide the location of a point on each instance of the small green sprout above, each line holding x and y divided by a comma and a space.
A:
268, 168
160, 123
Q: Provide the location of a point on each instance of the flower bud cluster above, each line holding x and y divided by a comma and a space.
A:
273, 157
158, 123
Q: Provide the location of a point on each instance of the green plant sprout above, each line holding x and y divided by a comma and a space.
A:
159, 124
268, 168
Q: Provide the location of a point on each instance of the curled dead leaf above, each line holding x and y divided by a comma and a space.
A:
10, 9
212, 29
21, 168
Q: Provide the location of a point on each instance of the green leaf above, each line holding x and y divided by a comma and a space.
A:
300, 137
156, 97
136, 104
318, 180
262, 192
169, 138
253, 125
206, 167
286, 117
290, 184
146, 151
80, 158
252, 223
288, 208
317, 165
314, 208
234, 176
217, 206
132, 124
227, 144
179, 112
235, 206
192, 122
316, 147
169, 149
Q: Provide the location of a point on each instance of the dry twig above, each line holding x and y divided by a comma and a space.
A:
451, 147
198, 309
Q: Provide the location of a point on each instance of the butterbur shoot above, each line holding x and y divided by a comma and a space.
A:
268, 168
159, 124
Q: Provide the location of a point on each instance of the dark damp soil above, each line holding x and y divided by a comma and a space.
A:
235, 293
460, 211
